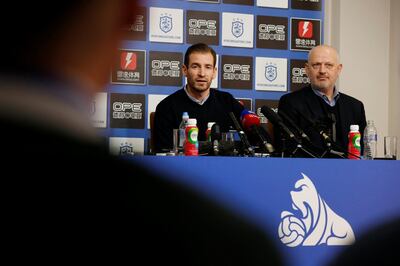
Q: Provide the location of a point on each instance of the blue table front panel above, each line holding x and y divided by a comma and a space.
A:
352, 194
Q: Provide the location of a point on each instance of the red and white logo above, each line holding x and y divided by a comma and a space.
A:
128, 61
305, 29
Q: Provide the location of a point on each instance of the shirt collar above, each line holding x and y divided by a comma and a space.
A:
199, 102
335, 97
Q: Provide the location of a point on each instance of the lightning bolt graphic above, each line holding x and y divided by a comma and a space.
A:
305, 27
128, 59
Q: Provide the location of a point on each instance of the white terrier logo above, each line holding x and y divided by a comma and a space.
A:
318, 223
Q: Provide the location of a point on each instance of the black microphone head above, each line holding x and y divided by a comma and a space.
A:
294, 125
215, 132
270, 115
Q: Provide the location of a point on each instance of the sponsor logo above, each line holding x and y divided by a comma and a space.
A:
315, 223
305, 34
139, 24
136, 29
272, 32
237, 72
305, 29
128, 60
127, 110
129, 68
126, 146
202, 27
271, 72
166, 23
126, 149
165, 68
237, 28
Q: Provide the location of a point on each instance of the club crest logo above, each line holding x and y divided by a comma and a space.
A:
271, 72
237, 28
316, 223
126, 149
166, 23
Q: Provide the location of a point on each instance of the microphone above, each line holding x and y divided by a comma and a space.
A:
251, 123
243, 138
293, 125
248, 118
215, 138
261, 134
276, 120
327, 140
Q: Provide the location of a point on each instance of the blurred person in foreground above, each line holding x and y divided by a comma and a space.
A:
322, 103
64, 198
379, 245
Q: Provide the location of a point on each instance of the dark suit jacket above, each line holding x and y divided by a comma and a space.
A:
305, 103
65, 199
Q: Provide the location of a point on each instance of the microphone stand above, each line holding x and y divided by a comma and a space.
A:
331, 151
283, 139
342, 154
247, 148
299, 146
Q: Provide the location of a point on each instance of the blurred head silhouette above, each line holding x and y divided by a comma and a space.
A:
69, 40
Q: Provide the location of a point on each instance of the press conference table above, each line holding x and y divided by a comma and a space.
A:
349, 196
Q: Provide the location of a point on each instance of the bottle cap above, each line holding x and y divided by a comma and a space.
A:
354, 128
210, 124
192, 121
185, 114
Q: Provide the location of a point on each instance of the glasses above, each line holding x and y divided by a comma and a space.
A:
317, 66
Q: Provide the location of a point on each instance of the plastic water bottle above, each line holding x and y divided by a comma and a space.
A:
182, 128
370, 141
191, 145
354, 147
208, 131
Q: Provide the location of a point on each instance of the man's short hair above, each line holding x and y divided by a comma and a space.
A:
199, 48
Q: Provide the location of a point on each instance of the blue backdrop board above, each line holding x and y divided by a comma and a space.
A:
312, 208
261, 46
